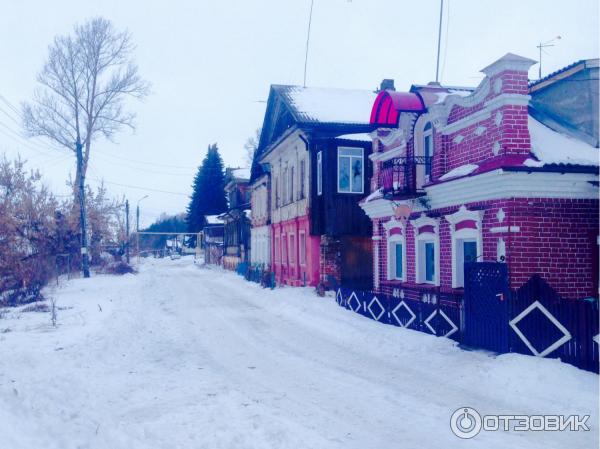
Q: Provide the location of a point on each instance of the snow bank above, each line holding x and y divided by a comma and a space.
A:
551, 147
179, 356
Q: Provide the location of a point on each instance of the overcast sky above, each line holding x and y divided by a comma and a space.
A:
211, 63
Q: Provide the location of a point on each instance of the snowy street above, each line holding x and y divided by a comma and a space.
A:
183, 356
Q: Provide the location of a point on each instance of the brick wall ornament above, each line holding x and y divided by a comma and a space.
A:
480, 130
458, 139
496, 148
498, 118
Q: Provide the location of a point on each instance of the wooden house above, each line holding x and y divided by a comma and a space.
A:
236, 233
315, 153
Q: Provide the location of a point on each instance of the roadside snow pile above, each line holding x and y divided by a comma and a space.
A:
551, 147
179, 356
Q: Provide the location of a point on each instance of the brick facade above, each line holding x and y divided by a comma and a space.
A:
537, 229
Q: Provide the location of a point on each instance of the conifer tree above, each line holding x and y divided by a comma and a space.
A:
208, 196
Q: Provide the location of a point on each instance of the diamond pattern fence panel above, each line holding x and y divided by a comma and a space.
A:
546, 325
425, 311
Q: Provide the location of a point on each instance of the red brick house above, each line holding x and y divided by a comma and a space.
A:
495, 173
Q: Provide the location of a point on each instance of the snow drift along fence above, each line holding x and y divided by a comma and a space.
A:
433, 313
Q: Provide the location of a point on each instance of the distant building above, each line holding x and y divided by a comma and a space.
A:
236, 233
213, 240
261, 221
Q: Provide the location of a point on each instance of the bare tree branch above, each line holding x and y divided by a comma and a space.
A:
84, 85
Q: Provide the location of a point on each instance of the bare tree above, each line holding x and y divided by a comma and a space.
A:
251, 145
85, 83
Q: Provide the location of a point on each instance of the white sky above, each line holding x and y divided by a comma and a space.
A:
211, 64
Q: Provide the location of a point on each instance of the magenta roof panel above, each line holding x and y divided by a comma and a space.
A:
388, 105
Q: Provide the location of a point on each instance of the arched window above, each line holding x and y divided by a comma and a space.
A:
427, 148
424, 149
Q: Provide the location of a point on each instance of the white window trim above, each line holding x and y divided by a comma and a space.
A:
362, 158
302, 248
419, 138
320, 173
463, 214
292, 249
391, 240
420, 240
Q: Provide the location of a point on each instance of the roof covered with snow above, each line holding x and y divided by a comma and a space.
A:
240, 173
329, 105
213, 220
551, 147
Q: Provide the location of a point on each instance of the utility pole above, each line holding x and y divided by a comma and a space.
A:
127, 229
307, 41
137, 225
437, 65
85, 258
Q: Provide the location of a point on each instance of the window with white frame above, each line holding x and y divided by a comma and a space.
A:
427, 148
284, 253
424, 148
350, 170
301, 191
397, 258
302, 247
277, 249
292, 249
291, 187
467, 242
320, 173
427, 263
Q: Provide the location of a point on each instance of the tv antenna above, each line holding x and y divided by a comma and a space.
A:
543, 45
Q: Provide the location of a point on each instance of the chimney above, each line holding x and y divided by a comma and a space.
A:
387, 84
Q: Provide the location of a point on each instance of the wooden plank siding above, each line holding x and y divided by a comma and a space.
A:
332, 213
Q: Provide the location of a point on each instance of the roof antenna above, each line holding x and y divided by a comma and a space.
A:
437, 65
542, 46
307, 41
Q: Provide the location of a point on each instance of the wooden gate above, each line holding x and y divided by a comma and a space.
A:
486, 302
357, 262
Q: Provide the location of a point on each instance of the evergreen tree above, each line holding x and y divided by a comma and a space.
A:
208, 196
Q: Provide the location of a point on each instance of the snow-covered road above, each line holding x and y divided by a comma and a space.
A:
180, 356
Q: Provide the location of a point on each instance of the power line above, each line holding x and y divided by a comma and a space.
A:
137, 161
102, 155
149, 189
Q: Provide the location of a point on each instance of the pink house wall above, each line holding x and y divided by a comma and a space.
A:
290, 271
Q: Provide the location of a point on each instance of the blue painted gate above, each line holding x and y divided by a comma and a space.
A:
486, 304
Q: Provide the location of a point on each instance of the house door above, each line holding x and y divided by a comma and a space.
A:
357, 262
486, 306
